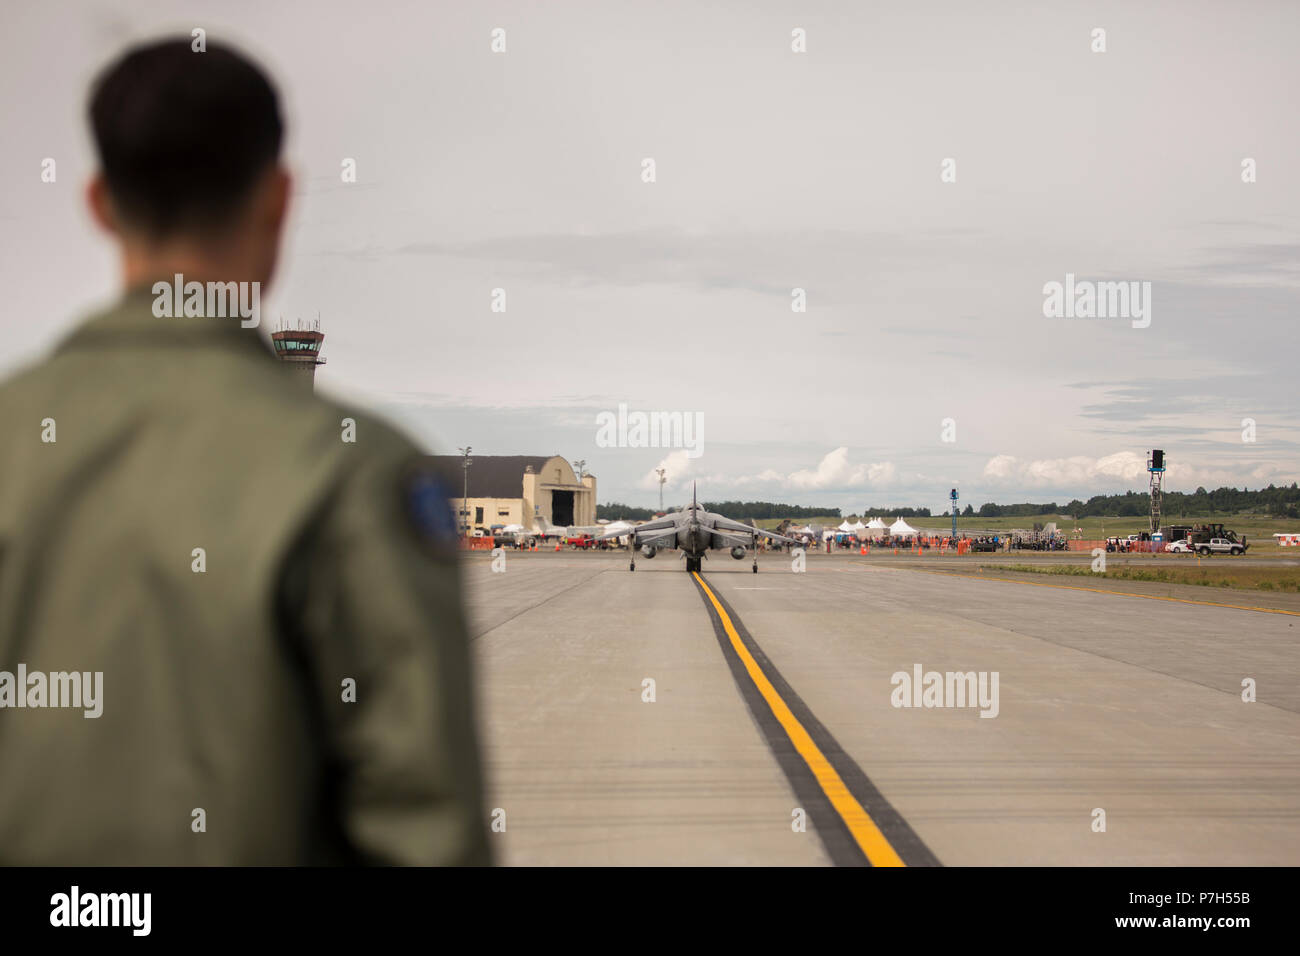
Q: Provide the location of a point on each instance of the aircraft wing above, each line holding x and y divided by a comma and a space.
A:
662, 538
726, 524
658, 524
725, 539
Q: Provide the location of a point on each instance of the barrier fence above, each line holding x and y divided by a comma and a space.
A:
1129, 547
937, 544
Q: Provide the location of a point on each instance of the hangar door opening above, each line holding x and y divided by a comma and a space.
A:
562, 507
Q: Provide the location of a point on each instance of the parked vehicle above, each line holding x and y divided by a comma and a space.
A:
1220, 546
1178, 547
1204, 533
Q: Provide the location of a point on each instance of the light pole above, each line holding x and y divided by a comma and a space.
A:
466, 461
662, 473
952, 496
578, 466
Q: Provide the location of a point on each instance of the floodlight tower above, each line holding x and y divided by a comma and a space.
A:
1156, 465
662, 473
952, 496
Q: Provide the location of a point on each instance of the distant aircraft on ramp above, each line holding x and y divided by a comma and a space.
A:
694, 532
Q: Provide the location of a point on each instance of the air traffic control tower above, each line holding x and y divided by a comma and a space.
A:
300, 348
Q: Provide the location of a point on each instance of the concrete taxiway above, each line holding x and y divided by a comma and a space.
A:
1125, 703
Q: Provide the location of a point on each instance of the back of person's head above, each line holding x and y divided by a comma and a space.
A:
183, 137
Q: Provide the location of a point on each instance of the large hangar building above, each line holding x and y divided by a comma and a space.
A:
532, 490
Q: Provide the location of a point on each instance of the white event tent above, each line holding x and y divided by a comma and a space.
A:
901, 528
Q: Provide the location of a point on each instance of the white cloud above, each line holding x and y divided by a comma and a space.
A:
1076, 471
678, 468
834, 471
1121, 471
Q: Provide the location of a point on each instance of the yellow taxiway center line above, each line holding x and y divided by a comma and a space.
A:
1075, 587
859, 822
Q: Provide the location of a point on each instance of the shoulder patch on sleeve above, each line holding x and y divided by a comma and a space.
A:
428, 509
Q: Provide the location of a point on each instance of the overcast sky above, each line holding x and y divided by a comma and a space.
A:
774, 170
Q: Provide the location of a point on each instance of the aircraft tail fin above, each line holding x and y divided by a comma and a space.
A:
694, 505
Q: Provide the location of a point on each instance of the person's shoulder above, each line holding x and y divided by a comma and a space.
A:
360, 433
22, 380
29, 399
386, 480
275, 401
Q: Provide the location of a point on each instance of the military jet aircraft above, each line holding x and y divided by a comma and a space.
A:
695, 531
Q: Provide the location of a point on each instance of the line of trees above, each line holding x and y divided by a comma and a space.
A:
1273, 501
614, 511
768, 509
991, 510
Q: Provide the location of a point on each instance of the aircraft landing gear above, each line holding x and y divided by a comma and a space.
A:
692, 564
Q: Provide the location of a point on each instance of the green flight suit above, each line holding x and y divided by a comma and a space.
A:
225, 672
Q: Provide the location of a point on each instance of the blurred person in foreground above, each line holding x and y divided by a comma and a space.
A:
228, 634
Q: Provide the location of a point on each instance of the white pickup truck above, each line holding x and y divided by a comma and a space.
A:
1221, 546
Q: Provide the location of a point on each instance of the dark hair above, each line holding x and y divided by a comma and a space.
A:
183, 136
